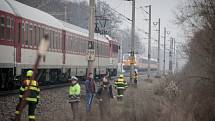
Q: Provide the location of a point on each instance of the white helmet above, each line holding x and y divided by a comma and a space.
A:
74, 78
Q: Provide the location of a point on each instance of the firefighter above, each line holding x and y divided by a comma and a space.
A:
104, 94
120, 84
135, 77
28, 95
74, 96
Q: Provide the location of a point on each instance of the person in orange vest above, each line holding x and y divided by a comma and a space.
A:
30, 98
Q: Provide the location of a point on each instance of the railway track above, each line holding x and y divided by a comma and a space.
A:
48, 87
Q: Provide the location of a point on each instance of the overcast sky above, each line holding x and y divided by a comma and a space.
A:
163, 9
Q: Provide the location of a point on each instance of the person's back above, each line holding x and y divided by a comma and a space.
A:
28, 95
120, 83
104, 94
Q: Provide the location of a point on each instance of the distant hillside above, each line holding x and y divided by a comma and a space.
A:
77, 13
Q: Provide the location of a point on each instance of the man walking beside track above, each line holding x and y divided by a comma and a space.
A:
90, 91
104, 95
120, 84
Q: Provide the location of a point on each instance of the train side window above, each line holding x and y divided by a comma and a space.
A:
55, 39
69, 42
101, 49
58, 39
35, 36
60, 42
66, 43
80, 44
107, 52
75, 43
51, 39
30, 35
12, 29
50, 42
2, 32
41, 33
72, 43
8, 28
26, 31
38, 36
53, 36
96, 47
23, 33
84, 46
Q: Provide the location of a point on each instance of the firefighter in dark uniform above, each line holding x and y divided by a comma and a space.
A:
28, 95
135, 77
121, 85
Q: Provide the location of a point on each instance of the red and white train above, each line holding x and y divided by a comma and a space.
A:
21, 29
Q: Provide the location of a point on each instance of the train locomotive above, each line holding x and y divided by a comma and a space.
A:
21, 29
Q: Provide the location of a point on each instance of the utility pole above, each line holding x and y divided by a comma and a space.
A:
170, 55
158, 70
121, 56
91, 51
149, 43
164, 54
132, 41
174, 43
176, 57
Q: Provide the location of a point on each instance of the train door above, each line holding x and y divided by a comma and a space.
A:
18, 23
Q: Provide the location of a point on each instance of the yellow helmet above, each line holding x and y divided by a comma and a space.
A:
121, 76
29, 73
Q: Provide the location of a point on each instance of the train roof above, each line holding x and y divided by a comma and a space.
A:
25, 11
4, 6
82, 31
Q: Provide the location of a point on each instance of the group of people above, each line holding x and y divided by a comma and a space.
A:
29, 95
103, 94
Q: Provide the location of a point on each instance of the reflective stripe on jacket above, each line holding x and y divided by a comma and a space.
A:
33, 87
120, 84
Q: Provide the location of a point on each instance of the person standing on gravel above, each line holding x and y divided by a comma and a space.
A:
90, 91
74, 97
28, 95
104, 95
